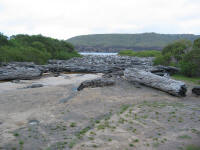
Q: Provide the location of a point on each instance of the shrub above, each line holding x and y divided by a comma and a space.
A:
149, 53
36, 48
190, 65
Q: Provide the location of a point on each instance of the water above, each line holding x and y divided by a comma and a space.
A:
97, 53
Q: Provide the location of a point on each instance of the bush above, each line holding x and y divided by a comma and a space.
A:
177, 49
149, 53
36, 48
190, 65
182, 54
196, 44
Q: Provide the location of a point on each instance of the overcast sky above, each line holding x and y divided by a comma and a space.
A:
63, 19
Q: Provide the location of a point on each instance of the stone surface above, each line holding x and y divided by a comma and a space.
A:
98, 64
15, 71
87, 64
173, 87
196, 90
96, 83
162, 70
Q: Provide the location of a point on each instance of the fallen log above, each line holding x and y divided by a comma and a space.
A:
96, 83
173, 87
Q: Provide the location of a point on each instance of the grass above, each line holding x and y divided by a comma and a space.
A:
148, 53
192, 147
195, 80
184, 137
73, 124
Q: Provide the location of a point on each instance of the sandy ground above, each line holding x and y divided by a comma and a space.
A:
120, 117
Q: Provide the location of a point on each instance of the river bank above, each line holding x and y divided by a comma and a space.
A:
53, 112
56, 116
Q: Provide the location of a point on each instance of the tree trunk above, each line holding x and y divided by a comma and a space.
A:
173, 87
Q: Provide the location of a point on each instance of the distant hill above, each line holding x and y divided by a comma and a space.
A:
117, 42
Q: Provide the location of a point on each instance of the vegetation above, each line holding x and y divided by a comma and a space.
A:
192, 147
150, 53
36, 48
182, 54
143, 41
195, 80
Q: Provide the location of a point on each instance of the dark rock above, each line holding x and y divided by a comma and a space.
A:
196, 90
16, 71
173, 87
35, 85
96, 83
162, 70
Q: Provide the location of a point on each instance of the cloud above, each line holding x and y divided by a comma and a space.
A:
66, 18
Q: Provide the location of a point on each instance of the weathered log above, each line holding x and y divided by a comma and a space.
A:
96, 83
173, 87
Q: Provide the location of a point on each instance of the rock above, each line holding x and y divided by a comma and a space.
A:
16, 71
163, 70
96, 83
173, 87
35, 85
196, 90
98, 64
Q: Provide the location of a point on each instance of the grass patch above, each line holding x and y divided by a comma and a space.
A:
123, 108
148, 53
195, 80
184, 137
192, 147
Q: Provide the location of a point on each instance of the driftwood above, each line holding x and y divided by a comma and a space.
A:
173, 87
101, 82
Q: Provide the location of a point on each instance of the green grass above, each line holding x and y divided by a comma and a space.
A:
149, 53
192, 147
184, 137
195, 80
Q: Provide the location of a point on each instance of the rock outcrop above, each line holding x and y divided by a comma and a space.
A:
24, 71
173, 87
112, 65
98, 64
96, 83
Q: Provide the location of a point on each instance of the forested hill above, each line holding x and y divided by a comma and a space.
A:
116, 42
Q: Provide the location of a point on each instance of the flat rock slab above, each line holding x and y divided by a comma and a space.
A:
17, 72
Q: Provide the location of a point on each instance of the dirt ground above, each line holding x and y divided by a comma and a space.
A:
120, 117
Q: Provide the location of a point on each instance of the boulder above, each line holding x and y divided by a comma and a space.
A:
173, 87
96, 83
196, 90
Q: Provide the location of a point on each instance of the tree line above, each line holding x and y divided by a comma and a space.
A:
35, 48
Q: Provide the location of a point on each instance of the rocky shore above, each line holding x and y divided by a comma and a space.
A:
86, 64
112, 103
109, 65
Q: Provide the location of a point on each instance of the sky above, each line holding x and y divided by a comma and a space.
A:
63, 19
